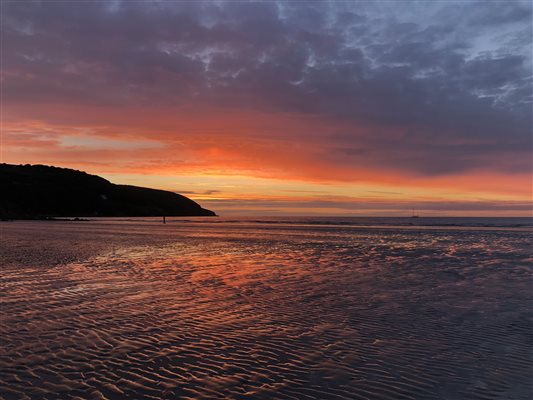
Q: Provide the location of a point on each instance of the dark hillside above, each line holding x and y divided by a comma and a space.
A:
38, 191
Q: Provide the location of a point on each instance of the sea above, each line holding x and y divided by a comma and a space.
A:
267, 308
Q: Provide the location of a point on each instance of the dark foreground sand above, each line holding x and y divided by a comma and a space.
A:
133, 310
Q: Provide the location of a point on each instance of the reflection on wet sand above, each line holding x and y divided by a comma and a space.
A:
114, 310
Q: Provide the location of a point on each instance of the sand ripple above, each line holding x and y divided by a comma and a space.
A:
105, 312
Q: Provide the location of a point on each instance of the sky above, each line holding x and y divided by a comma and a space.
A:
279, 107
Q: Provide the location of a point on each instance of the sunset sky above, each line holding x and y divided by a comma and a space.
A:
272, 108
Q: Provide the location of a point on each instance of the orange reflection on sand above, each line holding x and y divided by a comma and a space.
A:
200, 310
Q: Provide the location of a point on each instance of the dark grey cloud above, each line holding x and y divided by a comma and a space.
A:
453, 78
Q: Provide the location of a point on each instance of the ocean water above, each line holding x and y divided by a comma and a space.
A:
267, 308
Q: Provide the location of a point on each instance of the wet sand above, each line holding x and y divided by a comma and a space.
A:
141, 310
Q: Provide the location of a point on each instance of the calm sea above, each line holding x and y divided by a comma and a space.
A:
405, 222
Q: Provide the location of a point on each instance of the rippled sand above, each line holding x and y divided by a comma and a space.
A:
139, 310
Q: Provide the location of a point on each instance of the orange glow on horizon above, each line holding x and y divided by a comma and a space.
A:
249, 149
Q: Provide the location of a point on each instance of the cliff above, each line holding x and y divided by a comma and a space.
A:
38, 191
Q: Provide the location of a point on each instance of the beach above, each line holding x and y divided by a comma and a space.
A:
266, 309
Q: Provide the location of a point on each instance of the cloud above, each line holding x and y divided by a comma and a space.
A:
369, 206
425, 89
203, 192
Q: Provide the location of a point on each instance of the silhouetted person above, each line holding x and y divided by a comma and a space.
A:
164, 219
